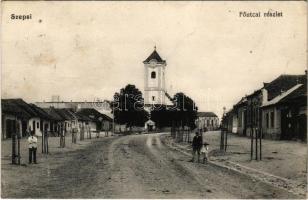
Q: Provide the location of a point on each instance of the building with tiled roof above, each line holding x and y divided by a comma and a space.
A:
278, 108
206, 114
21, 117
282, 84
98, 121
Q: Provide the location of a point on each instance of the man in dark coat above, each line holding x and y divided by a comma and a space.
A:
196, 145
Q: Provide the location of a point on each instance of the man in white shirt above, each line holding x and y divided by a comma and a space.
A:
32, 141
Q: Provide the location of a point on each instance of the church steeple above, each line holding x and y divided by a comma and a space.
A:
154, 56
154, 79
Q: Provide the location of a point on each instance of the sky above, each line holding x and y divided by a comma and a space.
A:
89, 50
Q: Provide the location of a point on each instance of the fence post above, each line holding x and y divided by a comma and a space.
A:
251, 143
13, 148
64, 134
261, 143
42, 141
18, 149
47, 146
222, 139
46, 141
90, 132
226, 140
256, 134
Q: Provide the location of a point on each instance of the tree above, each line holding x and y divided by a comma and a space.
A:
162, 117
183, 112
128, 107
186, 110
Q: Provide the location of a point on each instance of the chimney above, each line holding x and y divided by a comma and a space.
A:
264, 95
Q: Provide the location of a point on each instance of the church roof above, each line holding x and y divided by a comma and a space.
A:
154, 56
206, 114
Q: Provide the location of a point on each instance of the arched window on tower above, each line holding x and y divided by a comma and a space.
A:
153, 75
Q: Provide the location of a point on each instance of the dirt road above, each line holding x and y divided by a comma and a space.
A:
136, 166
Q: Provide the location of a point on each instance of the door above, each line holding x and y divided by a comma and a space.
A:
10, 128
8, 133
41, 125
24, 128
244, 122
287, 127
33, 126
302, 127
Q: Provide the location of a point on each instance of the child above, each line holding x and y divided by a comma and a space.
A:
204, 152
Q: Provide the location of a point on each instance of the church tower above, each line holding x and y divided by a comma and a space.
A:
154, 79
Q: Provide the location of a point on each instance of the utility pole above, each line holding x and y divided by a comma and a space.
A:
42, 136
18, 141
222, 131
251, 131
260, 132
261, 143
257, 134
113, 119
226, 136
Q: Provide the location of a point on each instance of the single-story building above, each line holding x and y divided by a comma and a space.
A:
207, 120
96, 120
23, 118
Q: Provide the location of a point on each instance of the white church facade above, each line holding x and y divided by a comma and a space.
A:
155, 80
155, 93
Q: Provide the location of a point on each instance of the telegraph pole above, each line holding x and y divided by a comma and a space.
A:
113, 119
222, 131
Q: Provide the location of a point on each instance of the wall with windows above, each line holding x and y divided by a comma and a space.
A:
271, 123
241, 121
35, 125
155, 97
153, 78
154, 83
234, 124
210, 123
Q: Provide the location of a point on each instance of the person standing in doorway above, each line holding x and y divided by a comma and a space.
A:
32, 141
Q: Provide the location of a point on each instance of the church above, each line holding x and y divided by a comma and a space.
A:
155, 94
155, 81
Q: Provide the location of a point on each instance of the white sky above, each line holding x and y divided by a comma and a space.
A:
88, 50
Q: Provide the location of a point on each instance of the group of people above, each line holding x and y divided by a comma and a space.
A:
199, 148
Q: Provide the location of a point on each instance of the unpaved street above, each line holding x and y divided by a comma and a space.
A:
136, 166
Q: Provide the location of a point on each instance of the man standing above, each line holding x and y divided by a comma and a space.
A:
196, 145
32, 140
